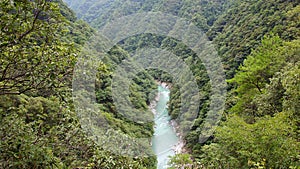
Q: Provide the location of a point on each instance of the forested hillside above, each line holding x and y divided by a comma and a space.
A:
264, 32
244, 25
203, 12
261, 125
259, 45
40, 42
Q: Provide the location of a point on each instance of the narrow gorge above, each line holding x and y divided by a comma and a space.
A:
165, 139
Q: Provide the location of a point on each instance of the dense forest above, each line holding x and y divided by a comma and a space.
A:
42, 41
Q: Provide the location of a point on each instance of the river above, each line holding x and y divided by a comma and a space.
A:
165, 138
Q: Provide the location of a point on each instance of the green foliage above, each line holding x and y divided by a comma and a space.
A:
180, 161
42, 133
240, 145
197, 68
32, 55
256, 72
268, 136
245, 23
78, 32
39, 132
39, 44
40, 41
202, 12
139, 94
65, 11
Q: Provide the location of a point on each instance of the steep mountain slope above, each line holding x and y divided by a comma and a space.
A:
243, 26
40, 42
97, 12
257, 40
202, 13
240, 30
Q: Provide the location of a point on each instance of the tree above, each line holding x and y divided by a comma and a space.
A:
181, 161
271, 140
32, 55
256, 72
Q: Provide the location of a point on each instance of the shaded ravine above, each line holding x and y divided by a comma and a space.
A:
165, 138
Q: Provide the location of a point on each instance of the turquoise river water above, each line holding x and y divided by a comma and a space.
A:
165, 138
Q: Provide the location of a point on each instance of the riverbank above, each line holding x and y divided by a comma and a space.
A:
179, 147
165, 137
164, 84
